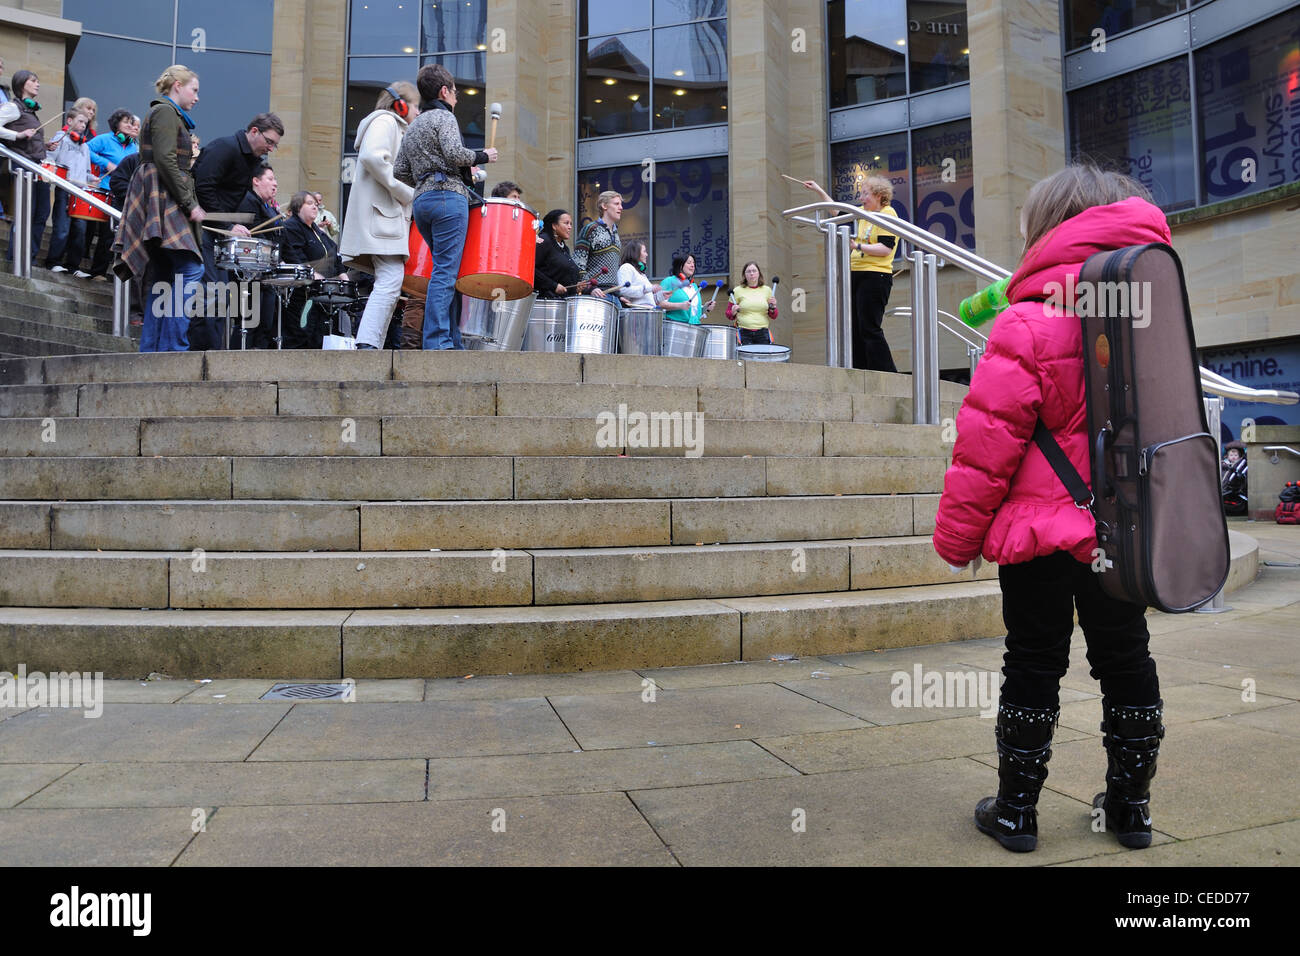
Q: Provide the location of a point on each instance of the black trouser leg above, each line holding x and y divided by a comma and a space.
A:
870, 292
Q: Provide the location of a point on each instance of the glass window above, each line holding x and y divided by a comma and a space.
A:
1140, 124
384, 26
690, 75
599, 17
453, 25
230, 25
945, 181
469, 70
867, 47
367, 77
853, 162
119, 74
940, 52
1248, 89
1085, 16
237, 88
615, 88
635, 223
144, 19
679, 11
691, 215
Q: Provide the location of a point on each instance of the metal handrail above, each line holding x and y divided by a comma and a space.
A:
39, 170
959, 330
1277, 448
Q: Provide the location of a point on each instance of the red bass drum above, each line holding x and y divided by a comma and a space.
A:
500, 250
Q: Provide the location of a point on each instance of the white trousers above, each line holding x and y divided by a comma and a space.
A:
389, 271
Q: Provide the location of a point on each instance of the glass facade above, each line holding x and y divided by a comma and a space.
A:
878, 49
126, 44
1083, 17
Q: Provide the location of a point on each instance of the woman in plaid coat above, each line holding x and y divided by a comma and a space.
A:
158, 239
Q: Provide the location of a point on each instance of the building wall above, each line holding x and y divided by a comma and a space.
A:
34, 37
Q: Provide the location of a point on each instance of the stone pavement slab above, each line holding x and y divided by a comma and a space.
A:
582, 830
248, 783
912, 815
234, 691
889, 745
148, 691
1280, 720
1276, 845
596, 770
143, 732
694, 716
82, 838
18, 781
533, 685
746, 672
1182, 704
434, 729
983, 652
1267, 681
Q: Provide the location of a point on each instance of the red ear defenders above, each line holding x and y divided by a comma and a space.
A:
400, 106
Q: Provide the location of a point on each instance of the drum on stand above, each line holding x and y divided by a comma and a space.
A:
247, 257
490, 325
640, 331
546, 322
419, 265
591, 326
763, 353
283, 279
684, 340
338, 298
500, 251
722, 342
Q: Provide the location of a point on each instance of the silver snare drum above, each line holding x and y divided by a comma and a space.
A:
684, 340
489, 325
763, 353
289, 275
247, 257
591, 326
640, 331
721, 343
545, 331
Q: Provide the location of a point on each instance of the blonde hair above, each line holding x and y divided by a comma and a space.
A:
605, 198
880, 187
83, 104
1075, 188
405, 89
171, 76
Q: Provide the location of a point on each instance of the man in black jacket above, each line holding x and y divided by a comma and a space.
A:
259, 200
221, 179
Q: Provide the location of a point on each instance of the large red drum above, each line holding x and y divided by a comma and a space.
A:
419, 265
500, 250
78, 208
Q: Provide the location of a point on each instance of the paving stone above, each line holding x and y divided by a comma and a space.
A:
475, 366
24, 525
148, 691
1184, 703
514, 524
372, 479
872, 697
69, 438
854, 476
1280, 720
82, 579
385, 398
38, 401
661, 370
613, 477
252, 691
593, 771
158, 400
856, 818
138, 732
1267, 681
245, 783
744, 672
736, 520
255, 437
210, 525
433, 729
80, 479
533, 685
1276, 845
86, 838
602, 722
18, 781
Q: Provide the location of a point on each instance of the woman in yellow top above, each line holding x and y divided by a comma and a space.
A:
872, 264
752, 307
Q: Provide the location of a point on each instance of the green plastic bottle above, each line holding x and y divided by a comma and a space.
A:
985, 304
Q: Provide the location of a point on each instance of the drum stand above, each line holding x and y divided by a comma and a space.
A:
249, 276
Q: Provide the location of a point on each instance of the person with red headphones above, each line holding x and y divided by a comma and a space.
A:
69, 235
377, 225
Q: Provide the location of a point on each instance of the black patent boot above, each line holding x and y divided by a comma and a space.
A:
1024, 747
1132, 741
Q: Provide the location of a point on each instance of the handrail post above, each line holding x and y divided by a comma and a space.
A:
832, 298
919, 339
932, 340
846, 297
20, 238
121, 307
1213, 419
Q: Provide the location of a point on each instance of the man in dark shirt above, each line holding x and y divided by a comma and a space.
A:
221, 179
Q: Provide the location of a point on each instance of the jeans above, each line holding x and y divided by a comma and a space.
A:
63, 224
389, 271
870, 291
1038, 602
165, 327
755, 336
442, 216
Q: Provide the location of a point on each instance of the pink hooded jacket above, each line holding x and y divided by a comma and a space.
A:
1001, 498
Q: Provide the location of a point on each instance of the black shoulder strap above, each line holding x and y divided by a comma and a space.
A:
1056, 457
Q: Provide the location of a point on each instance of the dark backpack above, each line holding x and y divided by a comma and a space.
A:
1155, 466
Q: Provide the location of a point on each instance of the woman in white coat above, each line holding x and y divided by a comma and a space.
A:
376, 229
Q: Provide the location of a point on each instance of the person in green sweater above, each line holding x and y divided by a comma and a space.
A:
679, 296
752, 306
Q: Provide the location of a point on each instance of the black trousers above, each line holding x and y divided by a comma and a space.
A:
756, 337
870, 292
1038, 602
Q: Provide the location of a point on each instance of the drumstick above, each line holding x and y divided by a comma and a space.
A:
793, 180
52, 119
267, 225
715, 292
223, 232
496, 115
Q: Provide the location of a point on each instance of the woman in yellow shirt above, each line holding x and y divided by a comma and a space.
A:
752, 307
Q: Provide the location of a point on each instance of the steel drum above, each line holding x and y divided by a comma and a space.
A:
722, 342
419, 265
591, 326
494, 326
248, 256
546, 321
288, 275
640, 331
763, 353
684, 340
500, 250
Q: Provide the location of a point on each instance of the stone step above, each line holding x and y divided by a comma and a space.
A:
121, 367
54, 332
101, 323
475, 525
74, 312
453, 642
59, 286
36, 346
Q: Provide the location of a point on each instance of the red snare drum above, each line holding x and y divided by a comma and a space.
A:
500, 250
57, 169
78, 208
419, 265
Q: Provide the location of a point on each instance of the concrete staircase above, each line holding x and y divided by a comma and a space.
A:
416, 514
55, 314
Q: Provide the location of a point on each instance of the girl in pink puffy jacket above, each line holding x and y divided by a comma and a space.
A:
1003, 502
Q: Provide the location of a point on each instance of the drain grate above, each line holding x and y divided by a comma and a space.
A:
310, 691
